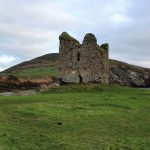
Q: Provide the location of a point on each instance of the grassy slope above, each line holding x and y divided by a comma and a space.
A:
92, 117
43, 66
47, 65
37, 72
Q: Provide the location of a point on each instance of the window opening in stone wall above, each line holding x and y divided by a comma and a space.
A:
78, 56
80, 79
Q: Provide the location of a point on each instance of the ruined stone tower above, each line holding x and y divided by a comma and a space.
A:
83, 63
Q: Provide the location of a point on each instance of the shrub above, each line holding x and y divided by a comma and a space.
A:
12, 77
105, 46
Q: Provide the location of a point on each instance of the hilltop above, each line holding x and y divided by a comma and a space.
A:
42, 61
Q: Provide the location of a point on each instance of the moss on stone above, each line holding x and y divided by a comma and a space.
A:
105, 46
66, 36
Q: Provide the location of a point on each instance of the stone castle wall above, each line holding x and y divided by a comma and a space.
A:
83, 63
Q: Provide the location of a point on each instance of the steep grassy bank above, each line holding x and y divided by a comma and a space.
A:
28, 78
76, 118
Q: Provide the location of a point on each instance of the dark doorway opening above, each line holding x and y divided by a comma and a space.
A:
61, 82
80, 79
78, 56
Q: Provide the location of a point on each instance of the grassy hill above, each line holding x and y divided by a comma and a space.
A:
39, 67
47, 65
77, 117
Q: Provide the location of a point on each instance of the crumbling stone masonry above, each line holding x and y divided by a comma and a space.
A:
83, 63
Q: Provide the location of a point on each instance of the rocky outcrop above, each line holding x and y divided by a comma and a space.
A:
129, 75
83, 63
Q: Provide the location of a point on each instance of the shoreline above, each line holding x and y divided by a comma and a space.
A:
19, 92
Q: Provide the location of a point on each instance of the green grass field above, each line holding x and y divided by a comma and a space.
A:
86, 117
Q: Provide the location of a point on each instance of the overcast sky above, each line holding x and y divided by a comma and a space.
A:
30, 28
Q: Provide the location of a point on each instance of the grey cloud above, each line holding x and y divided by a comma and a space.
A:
31, 28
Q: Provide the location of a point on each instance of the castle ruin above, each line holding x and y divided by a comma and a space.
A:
83, 63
